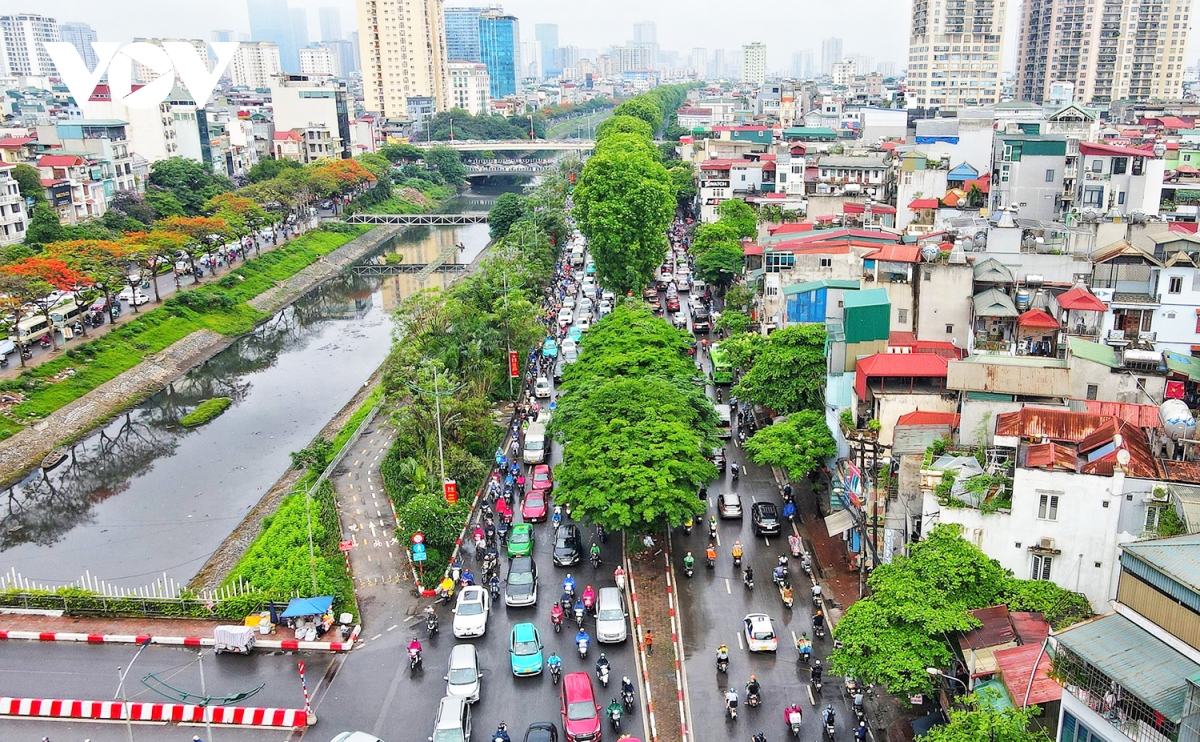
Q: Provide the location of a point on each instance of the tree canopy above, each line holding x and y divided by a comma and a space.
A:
506, 211
29, 181
624, 125
739, 216
190, 182
798, 445
982, 721
448, 162
641, 108
787, 374
720, 265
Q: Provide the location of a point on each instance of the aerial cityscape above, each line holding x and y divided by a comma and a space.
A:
405, 370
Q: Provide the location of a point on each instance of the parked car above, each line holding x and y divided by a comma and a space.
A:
471, 612
463, 677
543, 478
521, 587
729, 504
765, 517
520, 541
760, 633
580, 712
568, 546
525, 650
129, 296
453, 721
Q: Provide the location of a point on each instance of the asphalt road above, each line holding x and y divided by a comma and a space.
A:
715, 601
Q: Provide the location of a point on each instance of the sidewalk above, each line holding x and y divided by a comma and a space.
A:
166, 289
653, 598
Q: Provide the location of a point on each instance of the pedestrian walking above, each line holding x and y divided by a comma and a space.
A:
649, 640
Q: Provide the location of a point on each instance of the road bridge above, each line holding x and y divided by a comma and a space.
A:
413, 220
509, 145
489, 170
388, 269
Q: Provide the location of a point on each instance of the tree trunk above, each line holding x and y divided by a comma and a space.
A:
154, 282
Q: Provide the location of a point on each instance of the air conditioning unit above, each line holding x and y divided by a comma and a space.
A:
1046, 543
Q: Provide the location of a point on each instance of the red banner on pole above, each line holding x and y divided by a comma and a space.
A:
451, 488
514, 364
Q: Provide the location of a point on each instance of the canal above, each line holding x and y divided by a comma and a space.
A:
144, 496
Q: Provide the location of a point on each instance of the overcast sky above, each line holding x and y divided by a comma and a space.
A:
876, 28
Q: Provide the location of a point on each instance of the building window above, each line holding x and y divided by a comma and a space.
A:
1041, 567
1093, 391
1074, 731
927, 275
1050, 175
902, 316
1153, 513
949, 329
1175, 285
1093, 196
1047, 506
1120, 165
826, 262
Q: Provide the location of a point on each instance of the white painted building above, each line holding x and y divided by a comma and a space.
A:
14, 219
144, 74
255, 64
469, 87
311, 102
319, 60
1118, 181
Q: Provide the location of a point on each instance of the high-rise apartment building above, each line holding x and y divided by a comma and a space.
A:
632, 57
499, 49
331, 23
468, 87
345, 53
22, 36
955, 53
462, 33
311, 103
645, 32
1109, 49
80, 36
403, 54
320, 60
754, 63
718, 63
802, 63
255, 63
546, 35
271, 20
698, 60
831, 54
144, 74
299, 28
222, 35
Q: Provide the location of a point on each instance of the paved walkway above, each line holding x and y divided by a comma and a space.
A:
166, 289
656, 613
108, 625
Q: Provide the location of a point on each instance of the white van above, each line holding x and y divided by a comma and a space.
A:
724, 421
535, 444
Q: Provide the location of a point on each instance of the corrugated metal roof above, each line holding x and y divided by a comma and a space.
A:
1015, 665
1181, 364
869, 298
1182, 471
992, 693
1056, 424
824, 283
916, 439
995, 628
1122, 249
896, 254
1141, 415
1188, 498
921, 417
1178, 557
992, 271
1031, 627
1094, 352
994, 303
1051, 456
1143, 665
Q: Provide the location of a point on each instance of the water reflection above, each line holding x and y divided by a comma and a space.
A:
144, 496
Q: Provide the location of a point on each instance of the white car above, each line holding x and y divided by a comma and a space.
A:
541, 388
759, 630
585, 316
128, 296
471, 612
569, 302
564, 315
570, 349
608, 296
584, 321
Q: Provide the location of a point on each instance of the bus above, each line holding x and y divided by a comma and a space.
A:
722, 368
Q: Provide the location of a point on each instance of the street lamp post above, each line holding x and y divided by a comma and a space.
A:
933, 672
121, 688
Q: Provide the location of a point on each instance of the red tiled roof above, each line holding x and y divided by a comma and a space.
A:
1051, 456
1037, 318
903, 365
47, 182
1082, 299
896, 254
1016, 664
983, 183
850, 207
1172, 122
901, 339
1091, 148
752, 249
283, 136
923, 203
15, 142
60, 161
1186, 169
921, 417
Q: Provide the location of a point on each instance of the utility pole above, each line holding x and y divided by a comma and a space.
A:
437, 404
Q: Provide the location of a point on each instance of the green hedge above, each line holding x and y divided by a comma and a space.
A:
205, 411
78, 602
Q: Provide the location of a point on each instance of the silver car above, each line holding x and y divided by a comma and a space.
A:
453, 721
463, 676
611, 626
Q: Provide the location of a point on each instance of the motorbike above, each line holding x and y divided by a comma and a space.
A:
748, 581
689, 570
582, 646
712, 562
627, 700
431, 625
806, 564
687, 526
730, 711
712, 531
859, 712
796, 545
414, 660
614, 716
794, 723
818, 603
579, 615
595, 561
819, 631
494, 589
753, 700
555, 673
829, 729
722, 664
556, 618
786, 597
734, 470
602, 675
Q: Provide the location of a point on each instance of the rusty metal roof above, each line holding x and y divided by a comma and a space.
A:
1141, 415
1016, 664
1031, 627
1056, 424
1089, 434
1182, 471
1051, 456
995, 629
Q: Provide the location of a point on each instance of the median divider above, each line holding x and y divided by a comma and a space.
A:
54, 708
294, 645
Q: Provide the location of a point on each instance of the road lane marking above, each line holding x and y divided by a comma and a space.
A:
396, 626
811, 699
728, 591
718, 537
356, 462
377, 636
739, 638
767, 540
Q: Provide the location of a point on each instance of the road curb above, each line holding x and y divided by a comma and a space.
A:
640, 654
184, 641
161, 712
677, 643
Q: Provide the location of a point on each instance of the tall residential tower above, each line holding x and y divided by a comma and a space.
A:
403, 54
21, 39
955, 53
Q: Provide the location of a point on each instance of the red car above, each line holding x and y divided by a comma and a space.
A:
672, 303
543, 480
534, 509
580, 713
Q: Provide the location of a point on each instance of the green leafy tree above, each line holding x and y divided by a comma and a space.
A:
134, 206
44, 227
788, 373
379, 166
624, 203
798, 445
739, 298
733, 322
624, 125
707, 236
163, 203
982, 721
267, 169
448, 162
192, 183
396, 153
684, 183
507, 210
738, 215
643, 109
629, 341
29, 180
720, 265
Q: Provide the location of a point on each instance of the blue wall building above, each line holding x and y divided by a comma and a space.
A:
499, 46
462, 33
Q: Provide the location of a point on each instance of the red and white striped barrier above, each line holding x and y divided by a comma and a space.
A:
166, 712
185, 641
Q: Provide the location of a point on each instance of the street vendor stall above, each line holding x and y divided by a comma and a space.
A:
310, 617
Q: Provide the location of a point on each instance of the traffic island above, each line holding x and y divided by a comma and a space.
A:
652, 595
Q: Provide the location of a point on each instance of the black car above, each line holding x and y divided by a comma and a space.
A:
568, 546
718, 459
521, 587
541, 731
765, 517
701, 321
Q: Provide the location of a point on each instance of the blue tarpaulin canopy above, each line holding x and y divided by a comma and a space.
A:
308, 606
